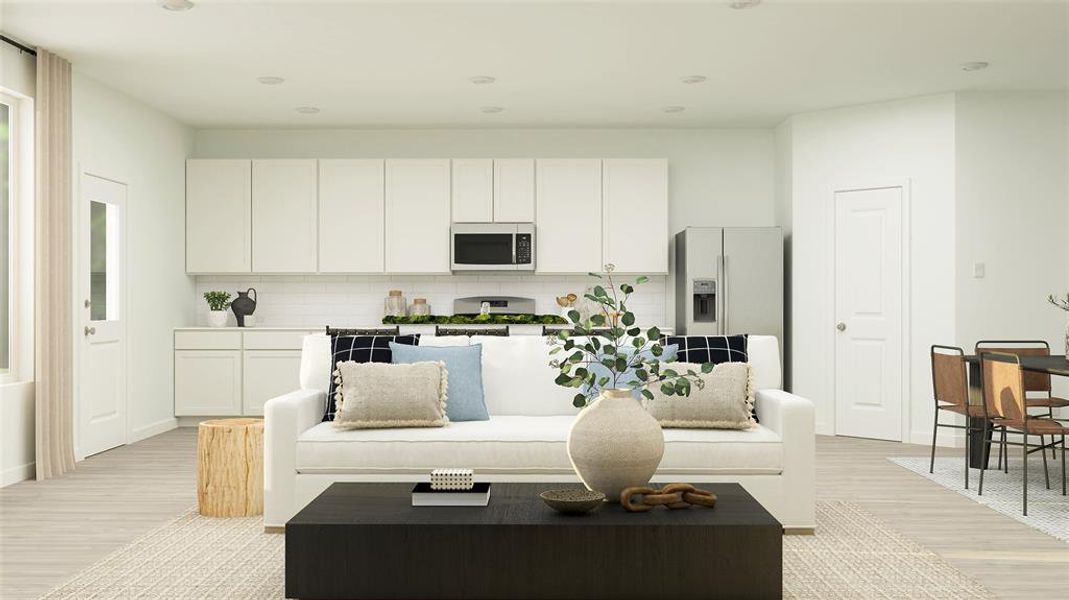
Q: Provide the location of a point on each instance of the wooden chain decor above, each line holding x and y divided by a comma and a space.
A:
673, 495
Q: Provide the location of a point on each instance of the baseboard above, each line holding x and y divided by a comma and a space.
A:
946, 438
16, 474
161, 426
194, 421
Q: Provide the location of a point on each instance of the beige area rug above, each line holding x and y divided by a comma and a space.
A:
853, 556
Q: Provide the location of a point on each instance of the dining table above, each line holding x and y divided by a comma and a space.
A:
979, 449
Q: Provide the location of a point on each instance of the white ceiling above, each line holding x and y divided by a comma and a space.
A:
407, 64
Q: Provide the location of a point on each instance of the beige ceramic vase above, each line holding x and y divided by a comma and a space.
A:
615, 444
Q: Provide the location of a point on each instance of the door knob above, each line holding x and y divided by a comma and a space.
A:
90, 330
840, 326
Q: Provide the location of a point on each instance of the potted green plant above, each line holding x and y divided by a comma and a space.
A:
614, 443
1062, 303
218, 303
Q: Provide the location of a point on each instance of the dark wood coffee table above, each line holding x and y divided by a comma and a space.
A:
365, 540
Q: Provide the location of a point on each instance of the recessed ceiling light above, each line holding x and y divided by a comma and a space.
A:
307, 110
483, 79
741, 4
270, 80
693, 79
974, 66
490, 110
175, 5
674, 109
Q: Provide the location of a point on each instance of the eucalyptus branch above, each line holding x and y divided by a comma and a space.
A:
1059, 302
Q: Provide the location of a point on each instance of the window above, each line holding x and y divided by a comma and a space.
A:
6, 239
16, 187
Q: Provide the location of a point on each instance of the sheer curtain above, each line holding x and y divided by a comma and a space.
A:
53, 246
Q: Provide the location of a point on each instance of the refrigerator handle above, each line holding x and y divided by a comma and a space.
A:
724, 291
720, 296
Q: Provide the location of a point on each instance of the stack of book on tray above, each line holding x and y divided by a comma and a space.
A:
451, 487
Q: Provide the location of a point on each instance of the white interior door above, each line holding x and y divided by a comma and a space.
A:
869, 388
102, 385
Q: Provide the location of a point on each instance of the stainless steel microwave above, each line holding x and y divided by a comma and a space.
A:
493, 246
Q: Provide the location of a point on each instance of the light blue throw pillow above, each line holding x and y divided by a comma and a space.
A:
465, 401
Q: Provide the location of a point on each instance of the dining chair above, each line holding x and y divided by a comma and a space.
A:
1002, 385
1034, 383
950, 389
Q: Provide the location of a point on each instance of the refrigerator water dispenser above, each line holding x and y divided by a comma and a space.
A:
704, 292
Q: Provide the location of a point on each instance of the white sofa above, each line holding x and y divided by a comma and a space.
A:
524, 440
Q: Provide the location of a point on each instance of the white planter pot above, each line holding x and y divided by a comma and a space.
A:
615, 444
217, 318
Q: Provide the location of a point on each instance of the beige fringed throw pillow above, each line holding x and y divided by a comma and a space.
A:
382, 395
726, 401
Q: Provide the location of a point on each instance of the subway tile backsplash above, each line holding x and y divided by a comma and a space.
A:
357, 300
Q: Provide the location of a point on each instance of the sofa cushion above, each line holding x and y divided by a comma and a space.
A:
362, 349
374, 395
464, 365
522, 445
518, 379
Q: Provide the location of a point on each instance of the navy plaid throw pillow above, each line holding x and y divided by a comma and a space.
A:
714, 349
362, 349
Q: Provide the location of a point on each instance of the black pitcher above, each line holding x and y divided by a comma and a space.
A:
243, 305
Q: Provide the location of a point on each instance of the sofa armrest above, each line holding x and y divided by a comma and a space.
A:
793, 418
285, 418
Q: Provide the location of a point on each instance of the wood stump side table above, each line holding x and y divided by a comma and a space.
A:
230, 467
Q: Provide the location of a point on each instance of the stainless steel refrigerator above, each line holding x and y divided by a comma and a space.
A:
729, 280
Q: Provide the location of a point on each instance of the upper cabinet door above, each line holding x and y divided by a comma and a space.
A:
635, 193
218, 216
568, 209
417, 216
514, 190
284, 216
473, 190
351, 216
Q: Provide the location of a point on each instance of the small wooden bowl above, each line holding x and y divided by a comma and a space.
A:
573, 501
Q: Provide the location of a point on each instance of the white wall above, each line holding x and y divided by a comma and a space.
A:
717, 177
893, 141
1012, 216
120, 138
17, 76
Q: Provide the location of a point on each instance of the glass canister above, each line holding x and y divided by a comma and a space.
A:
419, 308
395, 304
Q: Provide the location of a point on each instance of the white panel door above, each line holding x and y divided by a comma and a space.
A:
284, 216
101, 388
635, 235
869, 389
568, 209
268, 374
473, 190
417, 216
207, 383
514, 190
218, 216
351, 216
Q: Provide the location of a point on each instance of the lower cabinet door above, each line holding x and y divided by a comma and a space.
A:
207, 383
267, 374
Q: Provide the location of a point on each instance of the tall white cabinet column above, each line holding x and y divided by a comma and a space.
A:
218, 216
352, 216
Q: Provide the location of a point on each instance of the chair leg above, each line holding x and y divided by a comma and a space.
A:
1043, 451
987, 448
1063, 464
1024, 487
1001, 449
1006, 453
1053, 450
968, 430
935, 429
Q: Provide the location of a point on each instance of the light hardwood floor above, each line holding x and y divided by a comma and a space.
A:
51, 530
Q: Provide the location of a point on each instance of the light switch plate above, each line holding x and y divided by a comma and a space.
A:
978, 270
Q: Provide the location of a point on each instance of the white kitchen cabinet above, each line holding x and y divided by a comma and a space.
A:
218, 216
351, 216
417, 216
268, 374
568, 215
635, 215
284, 216
207, 383
473, 190
514, 190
